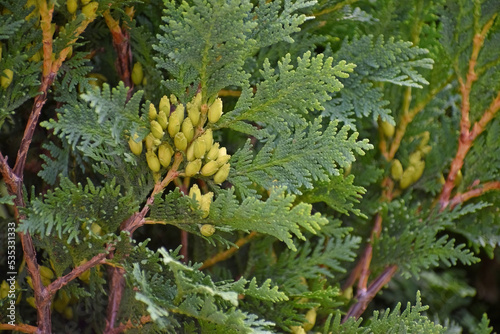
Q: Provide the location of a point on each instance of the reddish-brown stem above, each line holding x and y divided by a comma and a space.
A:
361, 271
117, 283
229, 252
467, 136
121, 44
476, 192
366, 297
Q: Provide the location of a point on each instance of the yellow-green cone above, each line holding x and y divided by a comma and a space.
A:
222, 174
210, 168
207, 230
137, 72
165, 105
162, 119
215, 111
180, 141
165, 154
188, 129
152, 114
152, 160
156, 129
214, 152
193, 167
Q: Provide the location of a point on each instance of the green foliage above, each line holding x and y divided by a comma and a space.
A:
299, 160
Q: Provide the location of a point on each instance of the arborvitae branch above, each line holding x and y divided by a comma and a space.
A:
467, 136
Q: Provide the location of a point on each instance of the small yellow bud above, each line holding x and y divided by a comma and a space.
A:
137, 73
419, 170
396, 170
415, 158
135, 147
458, 178
173, 99
59, 305
84, 2
90, 10
222, 174
207, 230
387, 128
442, 180
180, 141
6, 78
165, 105
297, 330
4, 289
152, 114
210, 168
156, 129
214, 152
215, 111
96, 229
150, 141
407, 178
46, 281
174, 125
190, 153
193, 167
30, 281
72, 6
425, 149
199, 147
46, 272
223, 157
188, 129
195, 192
205, 202
165, 153
193, 114
162, 119
311, 320
31, 301
209, 138
68, 313
152, 160
425, 138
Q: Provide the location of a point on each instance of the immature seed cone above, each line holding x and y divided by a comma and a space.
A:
162, 119
190, 153
72, 6
165, 105
175, 120
156, 129
150, 141
210, 168
195, 193
387, 128
6, 78
215, 111
199, 147
407, 178
209, 138
396, 170
90, 11
458, 178
207, 230
165, 153
137, 74
311, 320
223, 157
152, 114
415, 157
153, 162
214, 152
180, 141
193, 167
222, 174
193, 114
135, 147
46, 272
419, 170
188, 129
205, 202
